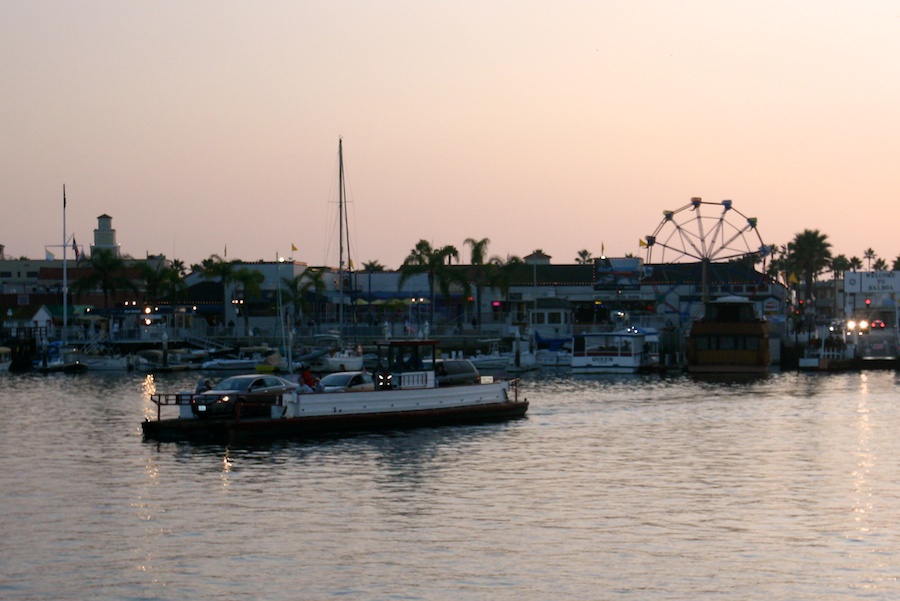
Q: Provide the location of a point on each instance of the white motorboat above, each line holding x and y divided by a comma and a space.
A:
247, 359
493, 359
332, 355
619, 352
522, 358
99, 362
550, 358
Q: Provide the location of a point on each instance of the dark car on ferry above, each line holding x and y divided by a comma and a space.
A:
253, 393
453, 372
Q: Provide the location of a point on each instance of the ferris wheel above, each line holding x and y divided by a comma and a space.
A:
706, 232
701, 232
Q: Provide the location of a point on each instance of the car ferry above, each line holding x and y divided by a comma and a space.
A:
406, 393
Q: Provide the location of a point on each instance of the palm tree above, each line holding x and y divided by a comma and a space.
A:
839, 265
107, 272
810, 254
313, 279
855, 264
215, 268
373, 267
480, 271
160, 281
869, 255
434, 262
179, 266
370, 267
249, 281
292, 293
896, 265
777, 267
880, 265
584, 257
478, 249
503, 273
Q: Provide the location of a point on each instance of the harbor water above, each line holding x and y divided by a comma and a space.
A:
782, 488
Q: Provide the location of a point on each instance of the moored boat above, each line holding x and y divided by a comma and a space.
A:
407, 394
58, 358
729, 338
332, 355
5, 358
494, 358
560, 358
619, 352
99, 362
246, 360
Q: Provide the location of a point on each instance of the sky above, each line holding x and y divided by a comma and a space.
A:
205, 127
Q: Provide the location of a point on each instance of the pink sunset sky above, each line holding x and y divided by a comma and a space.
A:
555, 125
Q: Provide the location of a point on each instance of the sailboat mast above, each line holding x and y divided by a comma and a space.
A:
65, 277
341, 194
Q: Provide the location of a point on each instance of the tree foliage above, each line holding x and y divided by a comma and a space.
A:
809, 253
434, 262
107, 273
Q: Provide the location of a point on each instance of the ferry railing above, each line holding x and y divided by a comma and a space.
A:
181, 399
514, 387
416, 379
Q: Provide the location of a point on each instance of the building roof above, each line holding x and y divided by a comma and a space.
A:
738, 272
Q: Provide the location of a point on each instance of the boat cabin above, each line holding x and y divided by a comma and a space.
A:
729, 338
405, 364
611, 352
730, 309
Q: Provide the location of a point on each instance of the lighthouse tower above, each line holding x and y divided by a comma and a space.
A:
105, 236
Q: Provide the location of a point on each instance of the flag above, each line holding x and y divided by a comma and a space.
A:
49, 255
75, 247
226, 252
602, 250
641, 243
293, 248
64, 197
351, 264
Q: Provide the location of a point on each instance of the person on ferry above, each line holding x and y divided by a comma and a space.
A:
309, 381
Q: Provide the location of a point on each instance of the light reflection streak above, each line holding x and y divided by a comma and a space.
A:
227, 466
862, 488
148, 388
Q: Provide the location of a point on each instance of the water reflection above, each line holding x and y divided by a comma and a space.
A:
862, 504
645, 486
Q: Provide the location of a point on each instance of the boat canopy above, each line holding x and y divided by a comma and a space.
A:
398, 356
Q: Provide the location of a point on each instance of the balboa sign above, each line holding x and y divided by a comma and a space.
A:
870, 282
